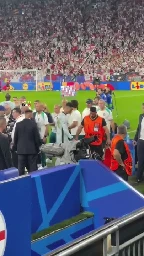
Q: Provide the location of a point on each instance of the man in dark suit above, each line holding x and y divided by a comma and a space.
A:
139, 141
27, 142
5, 155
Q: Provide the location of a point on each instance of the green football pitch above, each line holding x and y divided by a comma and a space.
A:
127, 104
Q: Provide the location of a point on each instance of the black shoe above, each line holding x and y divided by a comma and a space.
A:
138, 182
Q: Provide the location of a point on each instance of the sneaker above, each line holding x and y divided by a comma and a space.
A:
137, 182
40, 167
48, 161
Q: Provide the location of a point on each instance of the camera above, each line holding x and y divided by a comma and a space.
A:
96, 156
108, 219
83, 151
72, 151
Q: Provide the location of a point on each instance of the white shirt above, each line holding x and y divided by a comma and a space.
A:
10, 103
86, 112
142, 130
62, 133
7, 118
61, 109
19, 119
55, 117
41, 120
107, 115
75, 116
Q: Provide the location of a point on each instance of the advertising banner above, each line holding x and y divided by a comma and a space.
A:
44, 86
137, 86
68, 89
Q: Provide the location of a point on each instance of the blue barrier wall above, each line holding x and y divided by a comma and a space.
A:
60, 238
9, 174
105, 194
121, 86
55, 196
15, 205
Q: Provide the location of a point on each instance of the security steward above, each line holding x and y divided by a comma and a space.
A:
93, 126
121, 159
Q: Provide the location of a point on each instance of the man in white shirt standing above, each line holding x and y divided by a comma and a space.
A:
64, 102
105, 113
55, 115
139, 141
75, 119
16, 113
86, 111
42, 124
62, 132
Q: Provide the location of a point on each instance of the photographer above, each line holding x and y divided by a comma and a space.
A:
93, 126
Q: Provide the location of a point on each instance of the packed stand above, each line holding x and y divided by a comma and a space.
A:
61, 34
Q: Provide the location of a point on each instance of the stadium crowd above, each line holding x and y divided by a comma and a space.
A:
59, 35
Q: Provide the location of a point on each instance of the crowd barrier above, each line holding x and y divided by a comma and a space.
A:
33, 204
124, 238
86, 85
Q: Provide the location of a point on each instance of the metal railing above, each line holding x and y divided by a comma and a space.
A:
131, 247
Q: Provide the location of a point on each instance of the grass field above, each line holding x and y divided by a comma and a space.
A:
127, 103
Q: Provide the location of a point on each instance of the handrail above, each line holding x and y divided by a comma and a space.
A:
130, 219
104, 233
89, 241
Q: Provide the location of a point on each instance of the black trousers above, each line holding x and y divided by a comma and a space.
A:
140, 154
122, 173
98, 149
15, 159
27, 161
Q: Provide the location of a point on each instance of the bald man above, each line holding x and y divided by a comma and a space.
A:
64, 102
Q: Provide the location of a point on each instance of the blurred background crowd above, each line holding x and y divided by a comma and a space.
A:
59, 35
